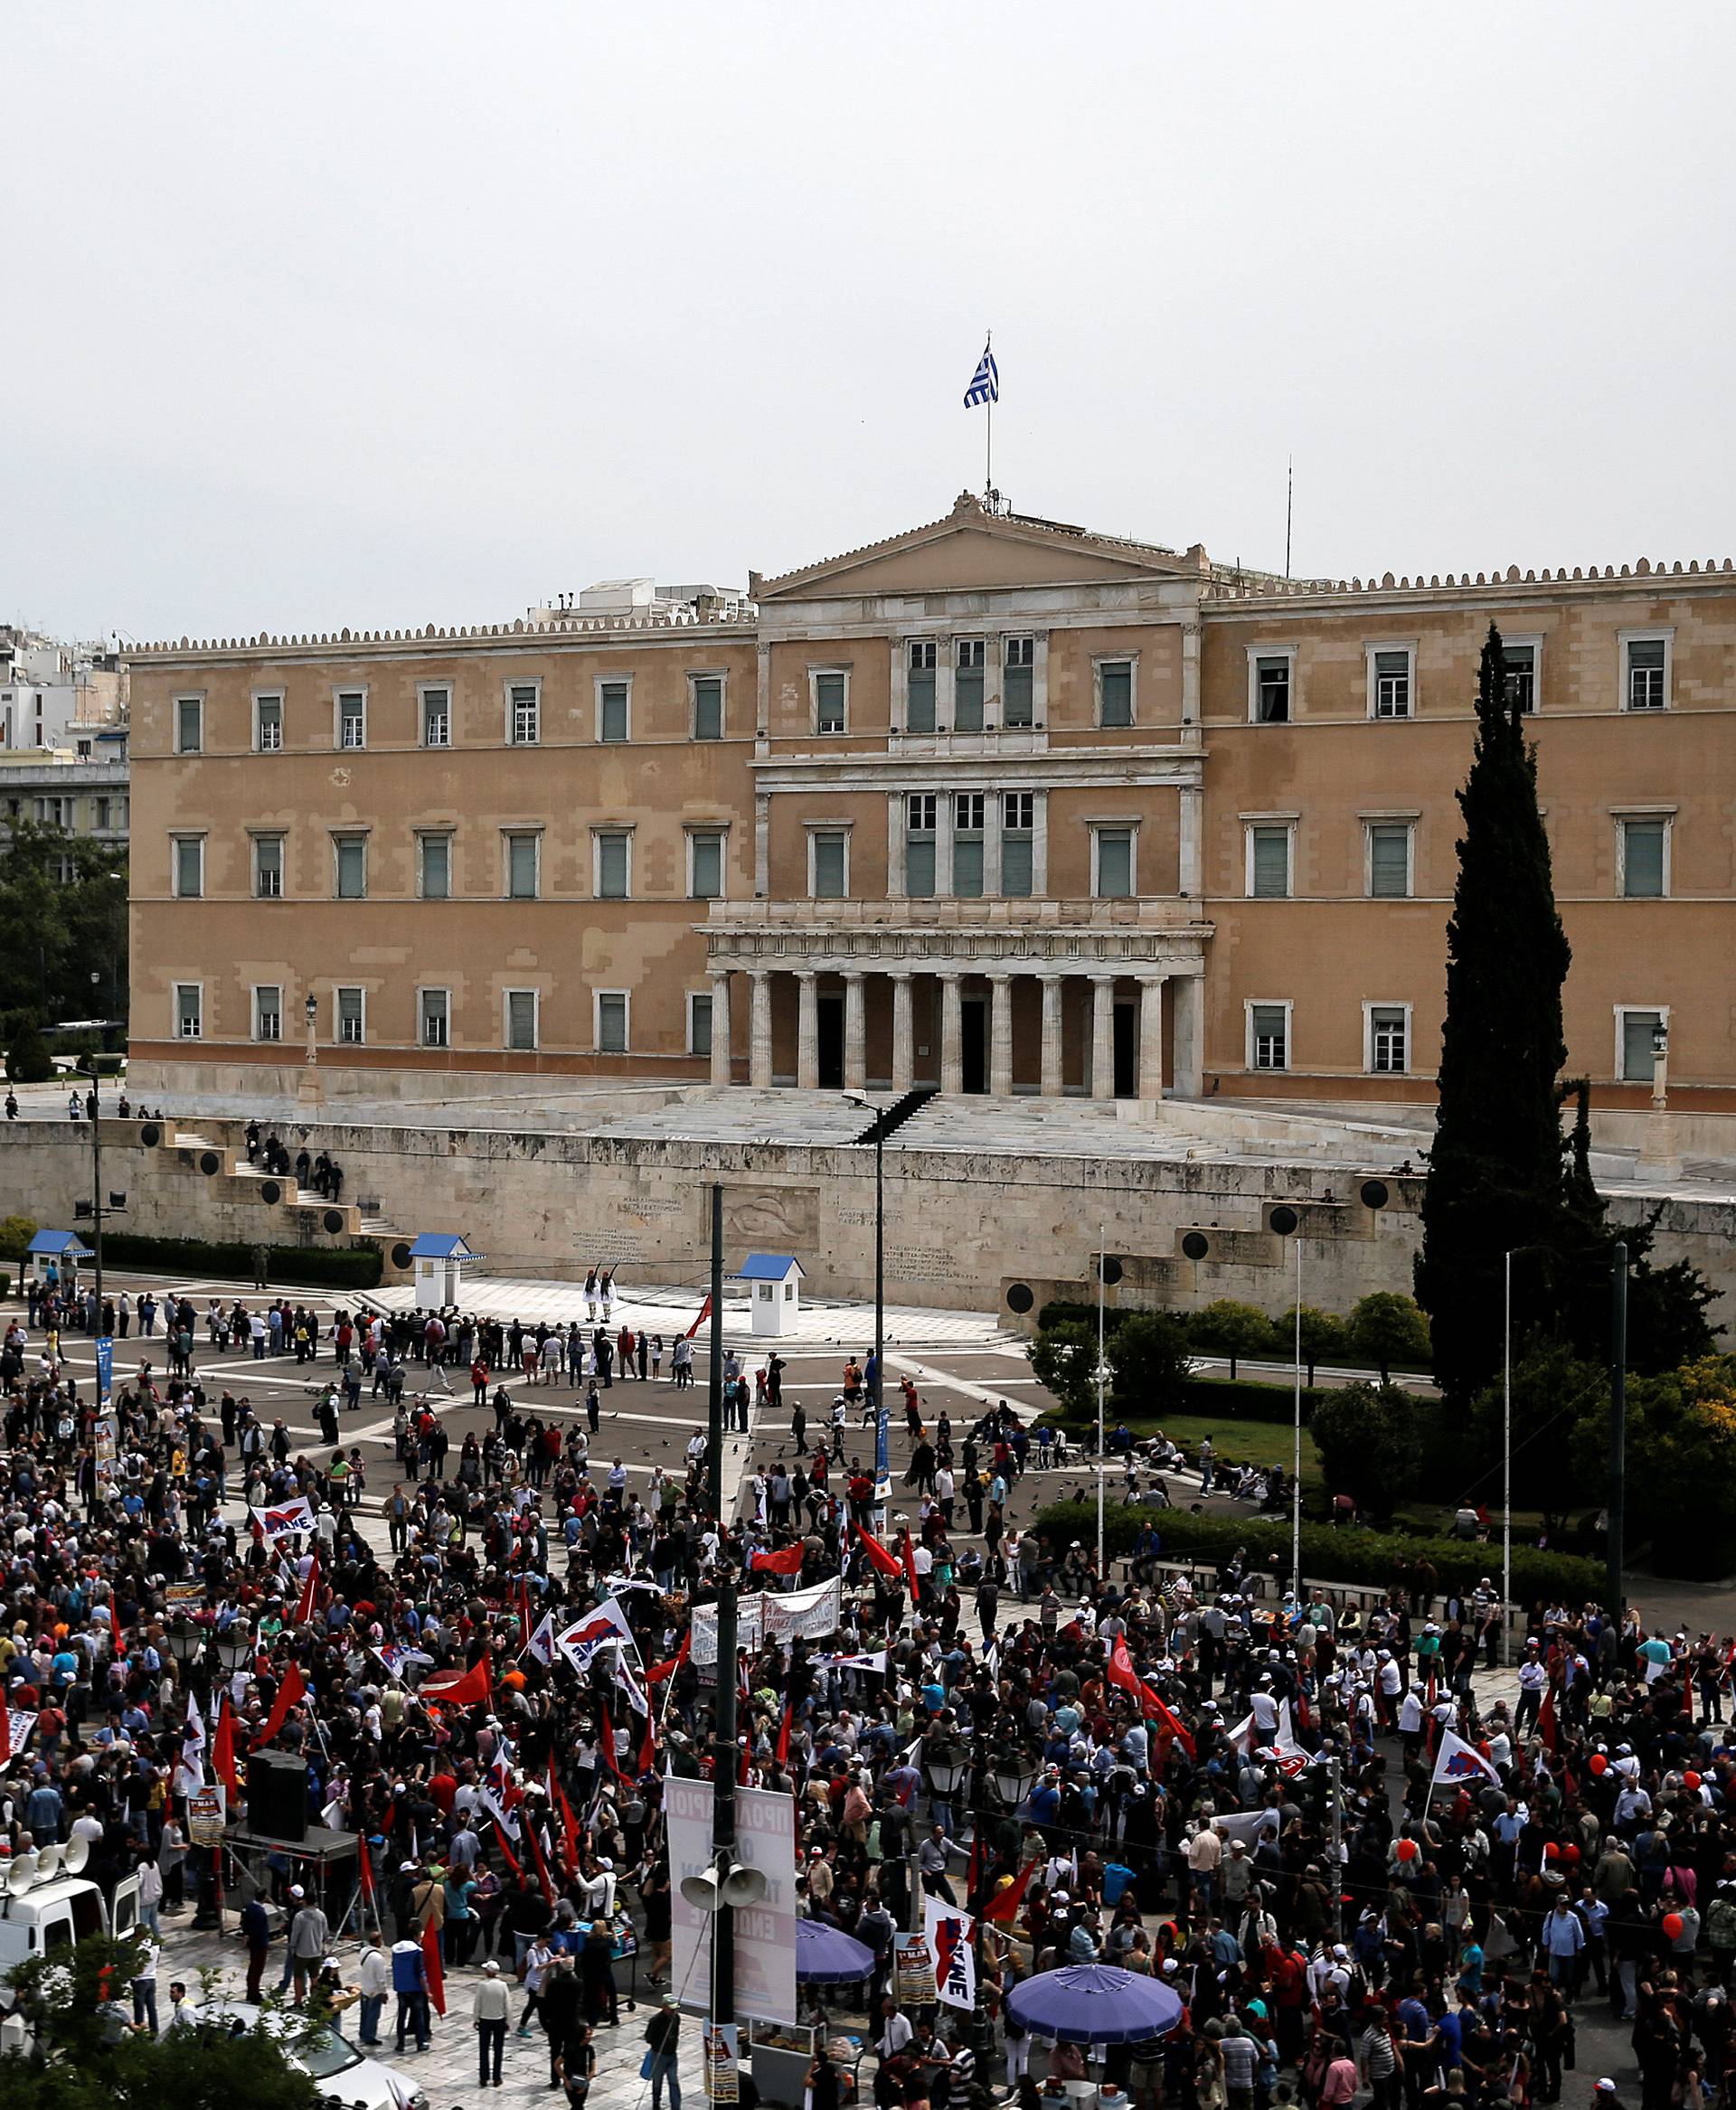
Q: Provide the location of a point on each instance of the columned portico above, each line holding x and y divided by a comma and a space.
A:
993, 997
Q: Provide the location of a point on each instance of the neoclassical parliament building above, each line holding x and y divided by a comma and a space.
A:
996, 806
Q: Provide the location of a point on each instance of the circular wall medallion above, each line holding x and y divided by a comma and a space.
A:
271, 1191
1374, 1193
1197, 1245
333, 1219
210, 1163
400, 1259
1019, 1298
150, 1135
1283, 1220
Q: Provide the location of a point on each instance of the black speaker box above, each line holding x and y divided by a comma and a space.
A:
276, 1796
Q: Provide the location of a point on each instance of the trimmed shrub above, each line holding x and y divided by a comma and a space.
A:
15, 1234
319, 1267
27, 1057
1327, 1555
5, 1287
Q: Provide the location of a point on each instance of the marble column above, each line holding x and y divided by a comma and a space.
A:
855, 1035
1187, 1008
1052, 1084
1000, 1035
903, 1035
1102, 1036
758, 1029
952, 1033
807, 1032
1151, 1040
721, 1069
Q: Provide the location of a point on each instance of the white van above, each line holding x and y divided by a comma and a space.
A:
45, 1905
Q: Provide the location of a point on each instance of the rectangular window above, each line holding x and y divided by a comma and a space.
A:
1269, 864
522, 854
968, 812
970, 662
1115, 692
919, 845
1389, 861
708, 707
352, 718
268, 1013
1636, 1030
1268, 1036
437, 717
1389, 1040
1272, 690
612, 1021
102, 820
1113, 863
351, 1006
1018, 834
436, 859
699, 1025
612, 862
267, 725
189, 1011
1645, 671
435, 1010
189, 867
918, 693
352, 866
525, 713
612, 711
520, 1021
267, 868
54, 812
1018, 681
1642, 859
830, 855
189, 727
1392, 684
831, 702
1522, 676
706, 865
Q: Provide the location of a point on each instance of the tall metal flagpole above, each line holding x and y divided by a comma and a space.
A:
1506, 1467
1102, 1257
1289, 495
989, 443
1295, 1476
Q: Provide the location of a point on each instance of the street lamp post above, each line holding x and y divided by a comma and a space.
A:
1659, 1156
1288, 1223
308, 1083
877, 1389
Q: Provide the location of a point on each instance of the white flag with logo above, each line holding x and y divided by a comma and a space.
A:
948, 1932
1459, 1761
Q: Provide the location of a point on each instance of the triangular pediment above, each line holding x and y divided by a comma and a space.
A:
974, 550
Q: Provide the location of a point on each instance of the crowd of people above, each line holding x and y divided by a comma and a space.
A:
1243, 1795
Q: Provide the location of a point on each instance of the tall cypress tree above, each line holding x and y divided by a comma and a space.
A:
1496, 1172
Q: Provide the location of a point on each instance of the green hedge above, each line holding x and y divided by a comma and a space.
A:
1328, 1555
1218, 1398
324, 1266
1061, 1313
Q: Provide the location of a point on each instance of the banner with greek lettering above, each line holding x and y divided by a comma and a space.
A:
105, 1366
948, 1932
765, 1933
808, 1615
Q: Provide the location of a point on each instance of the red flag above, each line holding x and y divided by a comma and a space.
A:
879, 1556
6, 1731
524, 1614
310, 1594
704, 1313
364, 1867
908, 1552
507, 1852
541, 1866
648, 1749
569, 1828
659, 1672
473, 1689
607, 1741
1122, 1672
290, 1694
786, 1561
1546, 1727
114, 1626
432, 1964
222, 1748
1004, 1905
783, 1732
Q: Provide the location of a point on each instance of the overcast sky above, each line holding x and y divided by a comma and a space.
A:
385, 313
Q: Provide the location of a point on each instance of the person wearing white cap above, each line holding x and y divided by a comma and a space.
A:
310, 1935
489, 2008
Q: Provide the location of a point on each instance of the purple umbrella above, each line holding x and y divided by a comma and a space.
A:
1094, 2003
827, 1956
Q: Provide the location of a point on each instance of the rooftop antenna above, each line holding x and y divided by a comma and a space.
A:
1289, 495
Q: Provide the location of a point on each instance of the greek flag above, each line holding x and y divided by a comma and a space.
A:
985, 384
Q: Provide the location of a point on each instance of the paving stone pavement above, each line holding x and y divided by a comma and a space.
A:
446, 2071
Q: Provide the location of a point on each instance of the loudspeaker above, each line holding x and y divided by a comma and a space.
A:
276, 1796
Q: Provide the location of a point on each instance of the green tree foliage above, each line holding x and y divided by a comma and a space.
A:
1324, 1337
90, 2063
1385, 1328
1495, 1168
1063, 1359
27, 1060
1231, 1329
15, 1234
1553, 1392
1148, 1356
1680, 1441
56, 932
1368, 1442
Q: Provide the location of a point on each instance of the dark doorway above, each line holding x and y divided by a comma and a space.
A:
974, 1044
831, 1024
1126, 1051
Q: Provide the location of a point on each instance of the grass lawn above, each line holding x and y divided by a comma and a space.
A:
1236, 1443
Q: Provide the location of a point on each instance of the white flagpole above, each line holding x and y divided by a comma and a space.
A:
988, 444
